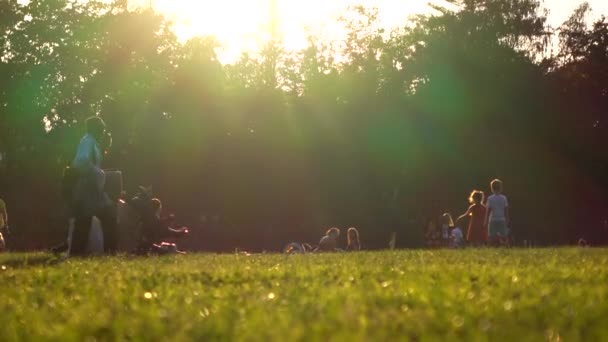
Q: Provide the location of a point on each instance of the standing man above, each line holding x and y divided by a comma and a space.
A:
89, 197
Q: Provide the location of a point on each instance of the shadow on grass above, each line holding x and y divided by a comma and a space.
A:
28, 260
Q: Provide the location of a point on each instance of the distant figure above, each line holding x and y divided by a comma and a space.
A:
446, 225
3, 216
329, 242
477, 234
166, 248
393, 241
154, 230
497, 215
3, 224
352, 239
297, 248
457, 238
583, 243
89, 198
432, 235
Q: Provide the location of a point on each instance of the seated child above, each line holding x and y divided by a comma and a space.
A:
154, 229
446, 225
352, 239
432, 235
297, 248
457, 238
329, 242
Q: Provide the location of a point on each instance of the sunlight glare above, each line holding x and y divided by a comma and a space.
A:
246, 25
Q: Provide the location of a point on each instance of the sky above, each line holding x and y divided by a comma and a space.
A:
243, 25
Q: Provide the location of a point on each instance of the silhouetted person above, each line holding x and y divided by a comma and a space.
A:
477, 234
89, 197
297, 248
352, 239
3, 224
447, 223
432, 234
3, 218
155, 229
329, 242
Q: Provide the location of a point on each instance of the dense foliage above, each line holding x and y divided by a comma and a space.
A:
280, 145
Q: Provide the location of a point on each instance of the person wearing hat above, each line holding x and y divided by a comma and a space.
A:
89, 198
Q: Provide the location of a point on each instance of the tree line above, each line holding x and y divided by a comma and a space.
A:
282, 144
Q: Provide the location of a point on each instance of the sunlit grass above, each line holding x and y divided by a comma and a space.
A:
428, 295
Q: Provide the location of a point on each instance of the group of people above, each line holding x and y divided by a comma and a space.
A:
489, 222
84, 191
328, 243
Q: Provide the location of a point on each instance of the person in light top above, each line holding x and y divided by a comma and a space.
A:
89, 198
497, 214
457, 238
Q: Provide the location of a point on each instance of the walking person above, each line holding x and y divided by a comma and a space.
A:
89, 198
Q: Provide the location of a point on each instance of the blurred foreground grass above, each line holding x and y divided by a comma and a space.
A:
487, 294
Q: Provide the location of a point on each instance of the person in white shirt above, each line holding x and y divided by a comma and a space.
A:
497, 214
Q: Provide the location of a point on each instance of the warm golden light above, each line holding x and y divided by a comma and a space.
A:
245, 25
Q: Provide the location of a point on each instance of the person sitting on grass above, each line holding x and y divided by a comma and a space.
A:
352, 240
497, 216
329, 242
154, 230
446, 226
457, 238
432, 235
297, 248
477, 234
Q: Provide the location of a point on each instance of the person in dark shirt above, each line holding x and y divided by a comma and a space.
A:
154, 229
329, 242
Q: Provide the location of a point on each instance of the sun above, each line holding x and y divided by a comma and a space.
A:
245, 25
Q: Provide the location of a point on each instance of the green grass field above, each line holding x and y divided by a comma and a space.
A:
497, 295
